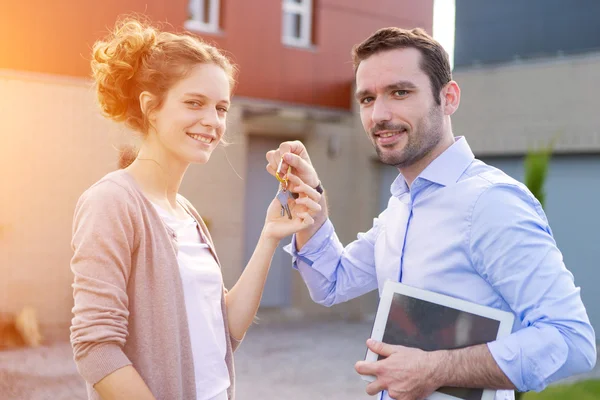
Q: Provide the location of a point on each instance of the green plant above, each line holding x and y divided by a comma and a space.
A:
582, 390
536, 170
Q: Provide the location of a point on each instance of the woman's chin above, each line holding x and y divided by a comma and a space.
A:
200, 158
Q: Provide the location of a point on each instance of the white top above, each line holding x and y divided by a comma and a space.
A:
202, 289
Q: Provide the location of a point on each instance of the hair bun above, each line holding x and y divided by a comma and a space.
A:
116, 59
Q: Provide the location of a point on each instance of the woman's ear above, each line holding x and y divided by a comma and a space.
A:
145, 101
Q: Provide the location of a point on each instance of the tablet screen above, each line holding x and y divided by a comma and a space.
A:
429, 326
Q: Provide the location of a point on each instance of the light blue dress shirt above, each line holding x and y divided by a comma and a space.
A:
466, 229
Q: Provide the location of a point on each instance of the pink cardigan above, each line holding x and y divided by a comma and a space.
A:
129, 305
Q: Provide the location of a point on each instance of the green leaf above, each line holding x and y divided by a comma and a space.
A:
537, 163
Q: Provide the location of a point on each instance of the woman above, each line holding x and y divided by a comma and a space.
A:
151, 317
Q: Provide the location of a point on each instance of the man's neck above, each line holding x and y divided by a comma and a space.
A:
411, 172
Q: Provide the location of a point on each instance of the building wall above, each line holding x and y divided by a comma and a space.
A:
513, 107
489, 32
508, 109
54, 144
572, 216
251, 31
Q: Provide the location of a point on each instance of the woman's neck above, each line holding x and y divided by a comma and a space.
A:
158, 174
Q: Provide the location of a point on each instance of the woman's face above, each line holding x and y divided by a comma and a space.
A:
191, 121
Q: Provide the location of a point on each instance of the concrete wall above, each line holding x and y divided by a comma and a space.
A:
512, 107
53, 144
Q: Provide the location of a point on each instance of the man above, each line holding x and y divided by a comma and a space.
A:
453, 225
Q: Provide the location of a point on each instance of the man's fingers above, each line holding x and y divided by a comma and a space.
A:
373, 369
375, 387
301, 168
367, 367
312, 206
294, 147
305, 219
300, 187
383, 349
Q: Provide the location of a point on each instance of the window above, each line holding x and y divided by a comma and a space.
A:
203, 16
297, 22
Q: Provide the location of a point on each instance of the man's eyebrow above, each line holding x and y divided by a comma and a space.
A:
400, 85
362, 93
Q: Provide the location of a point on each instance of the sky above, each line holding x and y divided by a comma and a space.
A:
443, 25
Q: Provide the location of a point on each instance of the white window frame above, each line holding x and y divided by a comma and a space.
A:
305, 10
196, 20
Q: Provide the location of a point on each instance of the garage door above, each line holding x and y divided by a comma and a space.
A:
261, 187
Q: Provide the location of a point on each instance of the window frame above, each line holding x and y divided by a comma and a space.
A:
305, 10
195, 22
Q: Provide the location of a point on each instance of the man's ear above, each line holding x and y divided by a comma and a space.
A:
450, 97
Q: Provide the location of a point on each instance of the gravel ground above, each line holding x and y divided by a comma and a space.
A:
301, 361
277, 360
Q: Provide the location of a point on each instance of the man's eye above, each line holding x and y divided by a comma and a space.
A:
401, 92
366, 100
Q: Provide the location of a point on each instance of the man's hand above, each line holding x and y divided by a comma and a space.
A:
296, 157
406, 373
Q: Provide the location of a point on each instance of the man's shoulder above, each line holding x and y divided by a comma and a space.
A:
482, 177
493, 189
484, 183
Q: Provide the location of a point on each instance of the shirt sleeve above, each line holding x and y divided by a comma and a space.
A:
512, 247
103, 244
332, 273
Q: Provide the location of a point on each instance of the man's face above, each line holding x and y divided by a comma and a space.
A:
397, 108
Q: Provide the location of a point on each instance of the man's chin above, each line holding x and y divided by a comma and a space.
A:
389, 157
388, 151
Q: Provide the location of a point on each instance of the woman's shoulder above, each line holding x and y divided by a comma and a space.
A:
113, 191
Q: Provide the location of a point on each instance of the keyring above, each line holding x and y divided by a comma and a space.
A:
279, 178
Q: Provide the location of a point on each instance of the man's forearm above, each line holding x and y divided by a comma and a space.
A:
471, 367
304, 236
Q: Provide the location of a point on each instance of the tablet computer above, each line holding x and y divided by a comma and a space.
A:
430, 321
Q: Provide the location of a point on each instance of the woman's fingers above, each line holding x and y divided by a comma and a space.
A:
271, 169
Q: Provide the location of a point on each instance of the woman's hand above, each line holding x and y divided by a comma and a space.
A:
302, 209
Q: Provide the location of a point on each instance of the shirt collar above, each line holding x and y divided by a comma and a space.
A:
445, 170
449, 166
